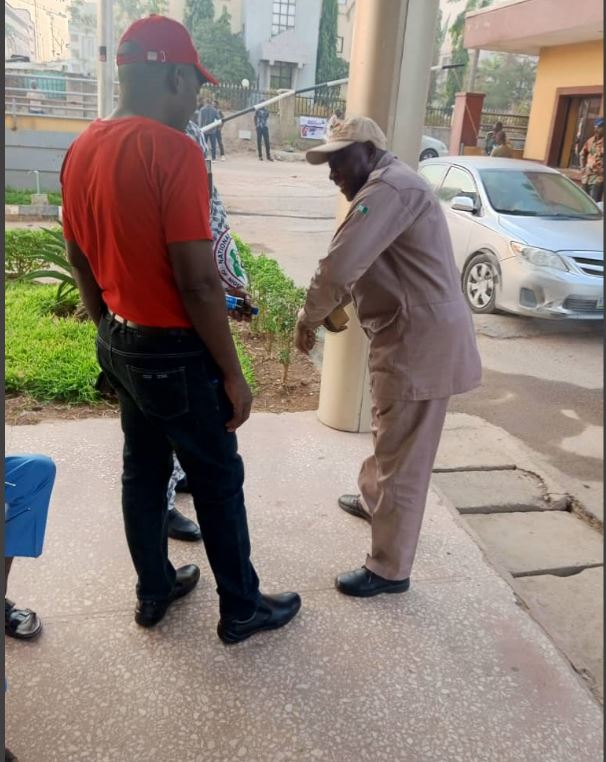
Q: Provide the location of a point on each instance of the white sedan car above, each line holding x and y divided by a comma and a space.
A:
526, 239
432, 148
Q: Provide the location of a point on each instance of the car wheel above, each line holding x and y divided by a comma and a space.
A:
480, 284
428, 153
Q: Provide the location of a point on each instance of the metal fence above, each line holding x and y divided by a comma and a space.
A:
438, 116
51, 95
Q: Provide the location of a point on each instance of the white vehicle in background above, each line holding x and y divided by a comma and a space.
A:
526, 239
431, 148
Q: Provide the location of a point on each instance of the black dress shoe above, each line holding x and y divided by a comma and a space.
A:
352, 504
182, 528
274, 611
362, 583
149, 613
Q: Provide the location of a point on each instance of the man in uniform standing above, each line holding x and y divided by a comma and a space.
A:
592, 161
136, 222
392, 257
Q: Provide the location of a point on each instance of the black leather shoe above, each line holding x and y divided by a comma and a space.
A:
362, 583
274, 611
149, 613
351, 504
182, 528
183, 486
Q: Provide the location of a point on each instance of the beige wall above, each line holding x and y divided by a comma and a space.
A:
345, 26
578, 65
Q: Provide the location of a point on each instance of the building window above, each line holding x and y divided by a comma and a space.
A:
283, 16
280, 76
340, 44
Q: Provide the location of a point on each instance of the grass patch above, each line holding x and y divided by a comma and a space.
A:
52, 359
18, 197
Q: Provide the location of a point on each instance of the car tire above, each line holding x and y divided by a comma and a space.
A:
428, 153
480, 278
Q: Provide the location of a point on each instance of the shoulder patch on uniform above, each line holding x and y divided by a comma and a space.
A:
362, 208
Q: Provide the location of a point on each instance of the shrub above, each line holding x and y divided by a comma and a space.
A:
53, 263
22, 248
278, 300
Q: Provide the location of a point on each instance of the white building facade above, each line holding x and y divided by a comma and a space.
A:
19, 33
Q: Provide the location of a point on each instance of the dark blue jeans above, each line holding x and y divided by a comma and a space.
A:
172, 398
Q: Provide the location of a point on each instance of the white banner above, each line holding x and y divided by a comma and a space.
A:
312, 127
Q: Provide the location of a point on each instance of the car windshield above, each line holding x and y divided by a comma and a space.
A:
536, 194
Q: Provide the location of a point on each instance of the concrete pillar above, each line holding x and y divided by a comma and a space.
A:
388, 81
105, 58
466, 121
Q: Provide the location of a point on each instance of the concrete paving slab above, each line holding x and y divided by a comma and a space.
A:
493, 491
530, 543
572, 610
453, 670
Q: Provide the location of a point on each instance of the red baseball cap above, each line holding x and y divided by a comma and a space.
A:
162, 40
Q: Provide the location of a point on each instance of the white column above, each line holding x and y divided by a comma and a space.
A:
105, 58
389, 77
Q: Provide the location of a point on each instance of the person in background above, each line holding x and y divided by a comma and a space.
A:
592, 162
335, 120
262, 127
207, 115
136, 221
34, 99
219, 136
491, 138
502, 149
392, 257
28, 486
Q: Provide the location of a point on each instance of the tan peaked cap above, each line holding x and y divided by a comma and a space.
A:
356, 129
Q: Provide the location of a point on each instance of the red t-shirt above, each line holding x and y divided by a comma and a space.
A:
131, 187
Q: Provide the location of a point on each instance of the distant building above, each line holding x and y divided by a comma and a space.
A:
19, 33
281, 37
347, 12
83, 41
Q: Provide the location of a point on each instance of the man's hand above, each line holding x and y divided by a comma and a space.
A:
236, 315
305, 338
241, 398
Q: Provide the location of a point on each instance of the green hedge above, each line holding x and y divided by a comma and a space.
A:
24, 197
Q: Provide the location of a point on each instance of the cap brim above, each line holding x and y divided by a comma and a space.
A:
320, 154
205, 76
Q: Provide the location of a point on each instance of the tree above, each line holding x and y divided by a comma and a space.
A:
438, 40
197, 13
458, 76
222, 53
508, 81
329, 65
127, 11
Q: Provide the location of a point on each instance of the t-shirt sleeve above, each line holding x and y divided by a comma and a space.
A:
185, 203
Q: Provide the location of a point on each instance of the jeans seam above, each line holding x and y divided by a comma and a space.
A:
148, 355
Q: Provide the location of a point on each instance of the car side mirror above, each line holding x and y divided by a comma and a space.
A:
463, 204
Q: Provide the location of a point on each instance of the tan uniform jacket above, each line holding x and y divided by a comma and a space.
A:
393, 257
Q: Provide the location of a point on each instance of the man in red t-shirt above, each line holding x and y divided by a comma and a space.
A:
136, 223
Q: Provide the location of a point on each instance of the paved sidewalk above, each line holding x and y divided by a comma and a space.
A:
453, 671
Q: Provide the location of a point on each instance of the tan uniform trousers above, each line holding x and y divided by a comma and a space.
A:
395, 480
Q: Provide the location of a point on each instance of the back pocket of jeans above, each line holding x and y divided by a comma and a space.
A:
161, 393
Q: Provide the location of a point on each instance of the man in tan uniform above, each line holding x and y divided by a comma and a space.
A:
393, 258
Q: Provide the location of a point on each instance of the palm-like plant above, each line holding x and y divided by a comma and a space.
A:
55, 264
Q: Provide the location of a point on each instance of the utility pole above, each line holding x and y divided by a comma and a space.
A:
473, 70
105, 57
389, 78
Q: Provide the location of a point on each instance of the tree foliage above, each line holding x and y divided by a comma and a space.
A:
508, 81
329, 65
457, 77
222, 52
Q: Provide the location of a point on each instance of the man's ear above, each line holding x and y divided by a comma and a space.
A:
174, 79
